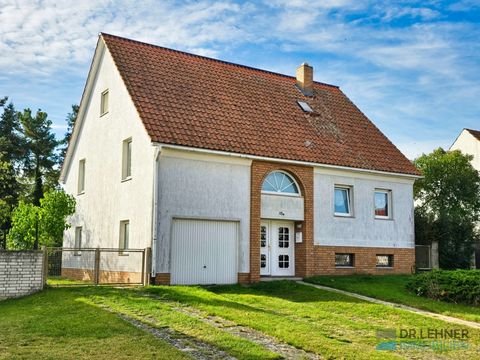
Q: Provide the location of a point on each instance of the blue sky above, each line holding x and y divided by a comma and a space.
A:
413, 67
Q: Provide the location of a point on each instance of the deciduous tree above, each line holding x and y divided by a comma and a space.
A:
448, 205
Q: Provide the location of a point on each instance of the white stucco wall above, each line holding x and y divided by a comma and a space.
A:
205, 187
107, 200
362, 229
468, 144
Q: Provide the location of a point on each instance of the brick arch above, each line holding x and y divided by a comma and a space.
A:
303, 175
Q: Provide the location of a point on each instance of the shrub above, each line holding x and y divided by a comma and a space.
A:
457, 286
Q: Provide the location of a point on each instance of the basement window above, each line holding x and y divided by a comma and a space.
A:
344, 260
305, 107
384, 261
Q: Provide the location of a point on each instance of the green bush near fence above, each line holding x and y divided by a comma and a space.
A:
457, 286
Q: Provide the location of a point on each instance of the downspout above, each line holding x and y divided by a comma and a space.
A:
156, 167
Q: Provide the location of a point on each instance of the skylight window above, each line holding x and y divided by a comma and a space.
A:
305, 107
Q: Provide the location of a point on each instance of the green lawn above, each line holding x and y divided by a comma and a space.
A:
392, 288
60, 324
75, 323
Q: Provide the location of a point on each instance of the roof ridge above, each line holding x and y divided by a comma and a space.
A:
211, 59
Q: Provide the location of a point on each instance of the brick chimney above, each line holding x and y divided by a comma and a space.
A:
305, 79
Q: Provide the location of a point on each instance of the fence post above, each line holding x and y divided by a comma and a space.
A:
148, 265
96, 270
45, 266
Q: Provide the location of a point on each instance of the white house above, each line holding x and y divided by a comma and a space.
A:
468, 142
231, 173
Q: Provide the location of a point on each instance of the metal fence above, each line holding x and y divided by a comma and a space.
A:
423, 257
97, 266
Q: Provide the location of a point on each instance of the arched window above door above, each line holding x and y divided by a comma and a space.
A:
279, 182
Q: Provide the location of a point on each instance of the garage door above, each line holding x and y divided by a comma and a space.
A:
204, 252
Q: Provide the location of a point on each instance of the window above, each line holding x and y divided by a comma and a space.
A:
283, 261
344, 260
263, 236
280, 182
384, 260
283, 237
263, 261
124, 234
78, 240
127, 159
104, 103
342, 201
383, 199
81, 176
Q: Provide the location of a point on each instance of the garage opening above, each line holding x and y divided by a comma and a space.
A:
204, 252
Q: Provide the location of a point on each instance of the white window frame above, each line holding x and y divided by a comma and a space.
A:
78, 241
389, 204
104, 102
349, 190
282, 193
127, 159
124, 239
81, 177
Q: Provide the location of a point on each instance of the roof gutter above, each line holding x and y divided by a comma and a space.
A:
285, 161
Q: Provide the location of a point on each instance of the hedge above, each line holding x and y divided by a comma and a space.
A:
457, 286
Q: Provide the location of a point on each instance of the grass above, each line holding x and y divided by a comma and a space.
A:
60, 324
392, 288
329, 324
73, 322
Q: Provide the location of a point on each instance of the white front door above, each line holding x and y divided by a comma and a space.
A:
277, 248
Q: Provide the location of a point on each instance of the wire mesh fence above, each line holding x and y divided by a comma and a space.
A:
97, 266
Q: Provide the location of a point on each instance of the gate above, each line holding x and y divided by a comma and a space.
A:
423, 257
97, 266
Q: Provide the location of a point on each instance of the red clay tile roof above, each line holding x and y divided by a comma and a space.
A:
475, 133
193, 101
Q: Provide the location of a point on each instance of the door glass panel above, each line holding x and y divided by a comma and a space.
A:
263, 261
263, 236
283, 237
283, 261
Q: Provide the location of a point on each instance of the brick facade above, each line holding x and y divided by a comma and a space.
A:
304, 264
104, 276
162, 279
364, 262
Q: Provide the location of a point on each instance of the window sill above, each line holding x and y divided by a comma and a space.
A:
384, 267
103, 114
81, 193
126, 179
346, 216
383, 218
344, 267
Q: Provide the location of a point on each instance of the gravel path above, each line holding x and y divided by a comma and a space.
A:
285, 350
446, 318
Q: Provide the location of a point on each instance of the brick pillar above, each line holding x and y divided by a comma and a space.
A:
304, 265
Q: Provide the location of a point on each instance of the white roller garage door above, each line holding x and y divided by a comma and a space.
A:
204, 252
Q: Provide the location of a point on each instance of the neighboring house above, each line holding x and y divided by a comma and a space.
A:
230, 173
468, 142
